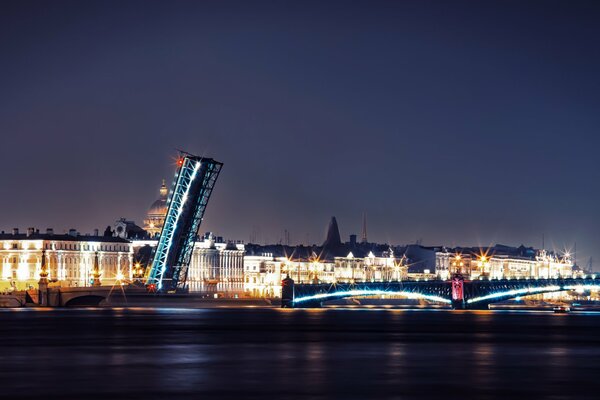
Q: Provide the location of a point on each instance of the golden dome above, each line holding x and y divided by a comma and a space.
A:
159, 207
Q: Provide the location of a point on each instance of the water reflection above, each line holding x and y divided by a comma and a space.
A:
483, 363
272, 353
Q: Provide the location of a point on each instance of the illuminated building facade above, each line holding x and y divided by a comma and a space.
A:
216, 266
70, 258
381, 267
263, 275
502, 262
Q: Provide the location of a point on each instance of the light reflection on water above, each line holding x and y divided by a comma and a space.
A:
274, 353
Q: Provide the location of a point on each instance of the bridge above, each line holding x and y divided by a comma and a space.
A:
194, 182
457, 292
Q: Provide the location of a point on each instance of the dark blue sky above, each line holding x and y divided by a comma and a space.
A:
451, 122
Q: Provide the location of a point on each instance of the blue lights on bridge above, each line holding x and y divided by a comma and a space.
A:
514, 293
476, 294
582, 287
533, 290
371, 292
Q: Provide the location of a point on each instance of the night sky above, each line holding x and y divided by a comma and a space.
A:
457, 123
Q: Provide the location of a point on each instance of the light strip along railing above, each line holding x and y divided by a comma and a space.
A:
177, 229
515, 292
371, 292
176, 201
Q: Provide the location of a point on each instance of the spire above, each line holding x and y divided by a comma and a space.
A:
363, 238
163, 189
333, 234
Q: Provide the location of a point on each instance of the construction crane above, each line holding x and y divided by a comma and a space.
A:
193, 184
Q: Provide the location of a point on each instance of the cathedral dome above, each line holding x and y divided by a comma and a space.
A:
159, 207
157, 212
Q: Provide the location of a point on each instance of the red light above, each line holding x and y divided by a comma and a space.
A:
180, 162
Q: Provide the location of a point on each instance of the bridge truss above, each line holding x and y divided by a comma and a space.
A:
194, 182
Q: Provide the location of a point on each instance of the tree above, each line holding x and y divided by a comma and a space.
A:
108, 231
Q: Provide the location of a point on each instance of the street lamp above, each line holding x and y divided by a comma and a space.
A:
138, 271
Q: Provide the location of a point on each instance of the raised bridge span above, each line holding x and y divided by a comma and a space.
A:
194, 181
457, 292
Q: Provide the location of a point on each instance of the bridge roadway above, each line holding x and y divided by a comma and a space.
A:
460, 294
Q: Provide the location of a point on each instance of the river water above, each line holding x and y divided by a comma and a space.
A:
262, 353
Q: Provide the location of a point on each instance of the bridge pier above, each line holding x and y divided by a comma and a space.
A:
309, 304
458, 304
458, 292
287, 292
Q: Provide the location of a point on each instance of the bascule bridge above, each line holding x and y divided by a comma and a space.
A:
194, 182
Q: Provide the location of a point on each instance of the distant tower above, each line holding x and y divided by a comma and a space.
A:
363, 238
333, 238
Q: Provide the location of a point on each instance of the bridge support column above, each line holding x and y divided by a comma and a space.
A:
458, 305
43, 282
309, 304
287, 292
43, 294
458, 297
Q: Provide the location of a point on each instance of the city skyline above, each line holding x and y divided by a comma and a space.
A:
496, 145
298, 199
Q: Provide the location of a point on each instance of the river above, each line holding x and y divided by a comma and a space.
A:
261, 353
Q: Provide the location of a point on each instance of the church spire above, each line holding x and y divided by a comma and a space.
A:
163, 189
363, 238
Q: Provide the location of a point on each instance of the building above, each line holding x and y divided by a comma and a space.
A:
128, 230
262, 275
501, 261
70, 258
216, 266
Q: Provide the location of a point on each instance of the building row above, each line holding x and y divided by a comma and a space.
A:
236, 269
231, 268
